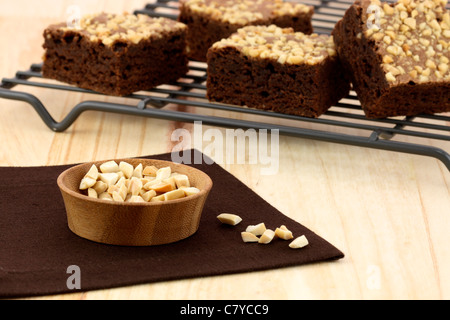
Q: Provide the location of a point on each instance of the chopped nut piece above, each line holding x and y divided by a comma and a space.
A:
387, 39
105, 196
109, 178
135, 186
413, 74
257, 230
109, 167
113, 188
100, 187
92, 193
443, 67
173, 195
388, 9
390, 77
182, 180
378, 36
150, 171
190, 191
283, 233
430, 64
147, 196
410, 22
160, 198
123, 191
146, 180
228, 218
249, 237
388, 59
138, 171
87, 183
122, 181
295, 59
117, 197
127, 169
136, 199
162, 187
298, 243
148, 185
171, 181
267, 236
395, 50
93, 172
163, 173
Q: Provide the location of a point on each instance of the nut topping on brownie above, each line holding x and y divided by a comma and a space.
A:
109, 28
397, 56
116, 54
276, 69
247, 11
280, 44
210, 21
413, 38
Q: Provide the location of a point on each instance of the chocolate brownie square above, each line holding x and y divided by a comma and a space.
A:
116, 54
276, 69
397, 55
212, 20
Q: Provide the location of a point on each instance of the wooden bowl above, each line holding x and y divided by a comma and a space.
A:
133, 224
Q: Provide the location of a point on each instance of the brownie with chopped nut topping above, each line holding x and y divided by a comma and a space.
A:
212, 20
116, 54
276, 69
397, 56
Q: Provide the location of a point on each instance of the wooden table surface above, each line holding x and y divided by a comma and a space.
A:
388, 212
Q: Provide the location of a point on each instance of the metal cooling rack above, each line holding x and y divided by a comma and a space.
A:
413, 135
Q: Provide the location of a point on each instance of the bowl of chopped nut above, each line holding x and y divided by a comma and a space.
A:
134, 202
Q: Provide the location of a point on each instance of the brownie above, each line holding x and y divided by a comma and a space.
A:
116, 54
397, 56
276, 69
212, 20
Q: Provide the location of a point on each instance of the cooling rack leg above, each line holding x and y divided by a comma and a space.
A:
34, 102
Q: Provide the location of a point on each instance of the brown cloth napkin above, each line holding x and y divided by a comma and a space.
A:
37, 247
